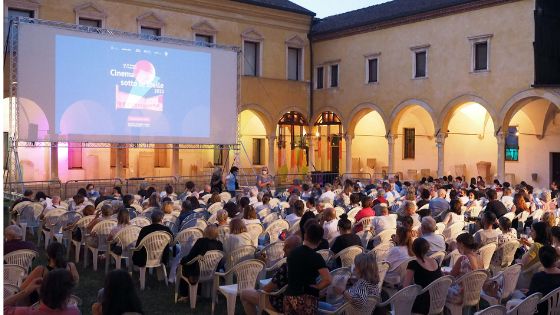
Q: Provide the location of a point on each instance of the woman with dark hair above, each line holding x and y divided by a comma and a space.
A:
346, 237
40, 196
118, 296
468, 261
56, 260
519, 205
540, 234
216, 180
423, 270
194, 202
402, 249
454, 215
306, 220
117, 192
55, 289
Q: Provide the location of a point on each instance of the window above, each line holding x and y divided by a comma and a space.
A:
150, 31
420, 63
372, 68
512, 144
251, 57
334, 75
258, 151
89, 22
320, 77
294, 63
74, 155
203, 39
160, 155
123, 156
481, 56
409, 143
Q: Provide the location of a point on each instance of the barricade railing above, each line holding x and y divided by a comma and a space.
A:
364, 178
49, 187
198, 180
323, 178
132, 185
285, 180
71, 187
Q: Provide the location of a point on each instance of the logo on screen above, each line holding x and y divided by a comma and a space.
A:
144, 92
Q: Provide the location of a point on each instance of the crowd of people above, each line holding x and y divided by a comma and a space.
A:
333, 216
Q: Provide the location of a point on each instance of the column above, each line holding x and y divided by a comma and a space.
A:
118, 162
271, 165
175, 168
311, 159
348, 141
391, 160
501, 166
54, 160
440, 141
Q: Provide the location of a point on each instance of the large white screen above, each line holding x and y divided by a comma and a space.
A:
84, 87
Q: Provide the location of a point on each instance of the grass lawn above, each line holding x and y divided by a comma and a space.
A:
156, 298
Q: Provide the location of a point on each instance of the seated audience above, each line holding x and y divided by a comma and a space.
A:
365, 212
238, 236
305, 266
186, 210
468, 261
123, 220
422, 271
488, 234
401, 251
540, 236
367, 285
439, 204
250, 215
139, 257
250, 297
13, 236
454, 215
330, 225
118, 295
298, 210
428, 228
494, 205
55, 289
192, 271
346, 237
384, 221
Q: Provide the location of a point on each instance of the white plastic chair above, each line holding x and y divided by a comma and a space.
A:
486, 253
493, 310
81, 224
140, 221
383, 237
275, 228
50, 225
339, 277
365, 223
154, 244
225, 196
439, 257
526, 275
28, 216
246, 273
552, 299
239, 255
339, 211
269, 219
347, 255
22, 257
294, 228
189, 235
396, 276
255, 230
402, 301
273, 252
263, 296
508, 279
274, 202
451, 232
509, 215
438, 294
472, 284
14, 274
215, 207
325, 253
9, 290
381, 251
365, 236
440, 227
101, 231
352, 213
382, 268
527, 306
348, 308
207, 265
126, 239
507, 253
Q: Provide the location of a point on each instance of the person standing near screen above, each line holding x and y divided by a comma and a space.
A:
231, 180
265, 181
216, 180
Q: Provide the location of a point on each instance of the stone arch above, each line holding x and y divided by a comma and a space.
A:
449, 110
520, 99
263, 115
281, 113
327, 109
359, 112
403, 107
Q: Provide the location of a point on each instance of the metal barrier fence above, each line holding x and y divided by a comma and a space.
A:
71, 187
49, 187
364, 178
132, 185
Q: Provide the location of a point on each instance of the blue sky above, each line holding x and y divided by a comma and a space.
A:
331, 7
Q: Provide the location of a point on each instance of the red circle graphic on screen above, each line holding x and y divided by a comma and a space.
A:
144, 72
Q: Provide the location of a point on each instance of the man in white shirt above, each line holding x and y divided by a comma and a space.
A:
427, 228
328, 195
384, 221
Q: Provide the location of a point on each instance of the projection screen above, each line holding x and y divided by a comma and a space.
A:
76, 86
